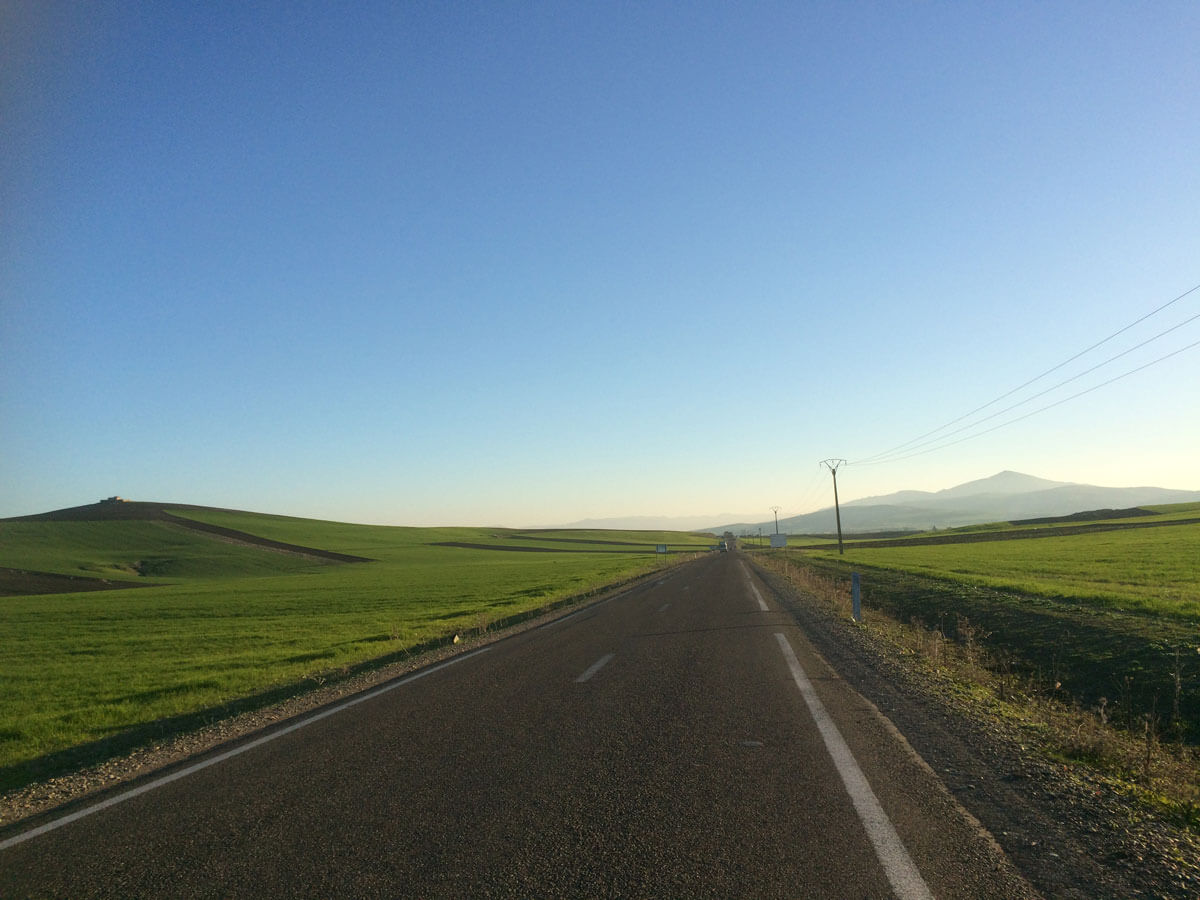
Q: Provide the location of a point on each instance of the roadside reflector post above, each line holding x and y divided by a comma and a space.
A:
856, 595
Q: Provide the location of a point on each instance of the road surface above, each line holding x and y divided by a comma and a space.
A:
679, 739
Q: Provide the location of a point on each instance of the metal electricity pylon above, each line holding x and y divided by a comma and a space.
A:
832, 466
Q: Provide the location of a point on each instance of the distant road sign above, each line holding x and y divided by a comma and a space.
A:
662, 548
778, 540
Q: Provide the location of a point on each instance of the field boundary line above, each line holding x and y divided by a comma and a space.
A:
988, 537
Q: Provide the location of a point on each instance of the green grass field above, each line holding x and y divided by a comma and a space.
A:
1110, 616
1148, 570
223, 621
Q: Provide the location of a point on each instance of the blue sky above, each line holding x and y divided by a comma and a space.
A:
525, 264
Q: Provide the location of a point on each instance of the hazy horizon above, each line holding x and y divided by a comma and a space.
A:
660, 523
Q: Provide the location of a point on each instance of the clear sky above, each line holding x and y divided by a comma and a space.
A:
530, 263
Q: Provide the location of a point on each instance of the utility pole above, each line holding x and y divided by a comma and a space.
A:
776, 509
832, 466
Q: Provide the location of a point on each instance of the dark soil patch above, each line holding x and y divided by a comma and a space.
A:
20, 582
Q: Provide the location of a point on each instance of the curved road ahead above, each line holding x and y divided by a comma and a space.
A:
679, 739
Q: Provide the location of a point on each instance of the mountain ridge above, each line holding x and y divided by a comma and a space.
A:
1002, 497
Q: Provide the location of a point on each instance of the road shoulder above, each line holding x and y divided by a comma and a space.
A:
1069, 838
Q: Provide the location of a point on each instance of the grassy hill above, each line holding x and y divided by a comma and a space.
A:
128, 551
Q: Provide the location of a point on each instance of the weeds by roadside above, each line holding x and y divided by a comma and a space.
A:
1138, 754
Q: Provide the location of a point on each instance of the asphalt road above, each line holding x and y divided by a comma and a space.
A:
680, 739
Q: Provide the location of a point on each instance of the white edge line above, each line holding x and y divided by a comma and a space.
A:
762, 604
228, 754
595, 667
901, 871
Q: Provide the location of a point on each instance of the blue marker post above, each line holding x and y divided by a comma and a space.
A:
856, 593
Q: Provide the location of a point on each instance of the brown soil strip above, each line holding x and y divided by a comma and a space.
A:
20, 582
563, 540
252, 540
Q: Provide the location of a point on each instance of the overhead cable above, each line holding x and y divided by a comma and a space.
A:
1020, 418
882, 456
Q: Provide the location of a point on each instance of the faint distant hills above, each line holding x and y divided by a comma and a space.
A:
1003, 497
651, 523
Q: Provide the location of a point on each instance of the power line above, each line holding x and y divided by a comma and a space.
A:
1094, 387
883, 457
880, 457
809, 495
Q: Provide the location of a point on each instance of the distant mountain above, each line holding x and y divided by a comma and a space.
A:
1001, 484
1001, 498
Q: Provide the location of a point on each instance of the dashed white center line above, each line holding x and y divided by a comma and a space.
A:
568, 616
901, 871
595, 667
663, 608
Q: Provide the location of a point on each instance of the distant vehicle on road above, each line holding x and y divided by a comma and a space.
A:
723, 546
